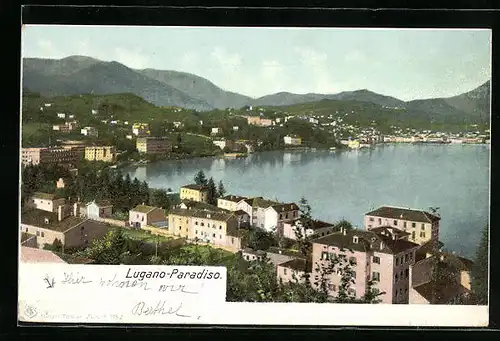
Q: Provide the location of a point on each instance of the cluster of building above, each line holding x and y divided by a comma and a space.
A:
68, 154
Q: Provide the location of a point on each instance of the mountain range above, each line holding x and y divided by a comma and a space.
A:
80, 75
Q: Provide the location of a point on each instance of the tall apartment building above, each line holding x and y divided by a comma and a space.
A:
153, 145
68, 156
383, 256
423, 227
100, 153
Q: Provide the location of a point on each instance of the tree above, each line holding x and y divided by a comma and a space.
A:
159, 198
480, 268
221, 191
212, 192
303, 240
200, 179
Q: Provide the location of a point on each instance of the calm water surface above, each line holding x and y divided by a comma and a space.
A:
339, 185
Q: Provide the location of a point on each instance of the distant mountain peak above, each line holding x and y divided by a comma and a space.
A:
80, 58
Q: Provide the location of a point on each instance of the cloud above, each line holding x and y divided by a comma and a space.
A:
312, 58
132, 58
227, 60
48, 50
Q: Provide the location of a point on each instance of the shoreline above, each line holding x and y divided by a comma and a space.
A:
294, 149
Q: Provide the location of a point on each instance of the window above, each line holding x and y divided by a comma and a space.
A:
331, 287
376, 260
376, 276
407, 273
38, 233
423, 227
406, 258
401, 275
220, 227
213, 235
26, 229
43, 234
281, 216
220, 236
413, 235
324, 255
413, 224
404, 224
286, 216
202, 224
295, 213
196, 223
395, 223
208, 224
196, 232
371, 219
397, 261
396, 293
422, 234
246, 257
232, 240
379, 221
142, 219
352, 260
81, 228
180, 228
369, 226
396, 277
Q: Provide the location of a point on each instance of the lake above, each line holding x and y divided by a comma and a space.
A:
348, 184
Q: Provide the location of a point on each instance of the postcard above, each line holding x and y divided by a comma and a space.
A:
254, 176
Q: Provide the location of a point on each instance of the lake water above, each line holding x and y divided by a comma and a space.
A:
348, 184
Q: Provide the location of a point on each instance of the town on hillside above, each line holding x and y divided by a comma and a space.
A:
397, 255
231, 133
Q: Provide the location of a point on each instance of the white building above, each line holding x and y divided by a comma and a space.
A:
94, 112
220, 143
292, 140
236, 128
61, 115
89, 131
178, 124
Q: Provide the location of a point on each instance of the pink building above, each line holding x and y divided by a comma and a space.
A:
383, 257
293, 270
423, 227
32, 255
66, 156
318, 228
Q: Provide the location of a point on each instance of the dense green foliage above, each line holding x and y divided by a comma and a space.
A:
94, 181
480, 270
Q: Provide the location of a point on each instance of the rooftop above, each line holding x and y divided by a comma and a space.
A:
101, 203
143, 208
37, 218
285, 207
250, 201
45, 196
190, 204
195, 187
35, 255
439, 292
404, 213
389, 230
254, 252
263, 203
195, 213
297, 264
367, 240
233, 198
289, 253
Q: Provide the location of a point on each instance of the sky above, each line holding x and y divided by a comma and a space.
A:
406, 64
